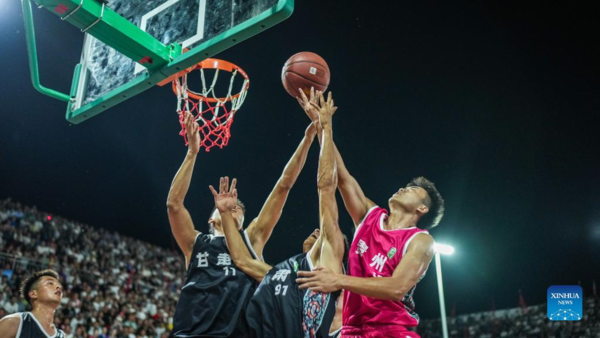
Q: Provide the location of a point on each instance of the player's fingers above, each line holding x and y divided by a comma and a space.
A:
314, 105
308, 285
214, 192
221, 181
235, 193
233, 183
306, 273
318, 268
304, 99
329, 98
226, 185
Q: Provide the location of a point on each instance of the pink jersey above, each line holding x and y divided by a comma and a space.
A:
376, 253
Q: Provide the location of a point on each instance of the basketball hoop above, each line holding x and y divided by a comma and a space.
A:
213, 114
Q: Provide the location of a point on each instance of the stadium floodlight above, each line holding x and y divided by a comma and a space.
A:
442, 249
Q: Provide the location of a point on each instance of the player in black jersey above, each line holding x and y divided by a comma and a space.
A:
279, 308
216, 292
43, 292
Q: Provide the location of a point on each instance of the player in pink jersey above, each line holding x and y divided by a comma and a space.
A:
388, 257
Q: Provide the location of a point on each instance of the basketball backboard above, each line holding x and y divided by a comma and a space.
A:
204, 28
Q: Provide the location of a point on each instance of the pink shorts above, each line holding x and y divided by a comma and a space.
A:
383, 331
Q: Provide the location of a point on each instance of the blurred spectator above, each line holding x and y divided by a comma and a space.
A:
513, 323
115, 286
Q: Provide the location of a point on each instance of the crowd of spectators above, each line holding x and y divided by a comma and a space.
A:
115, 286
518, 322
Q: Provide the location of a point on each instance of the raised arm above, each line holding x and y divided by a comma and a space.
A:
331, 240
179, 217
259, 231
354, 198
411, 268
226, 200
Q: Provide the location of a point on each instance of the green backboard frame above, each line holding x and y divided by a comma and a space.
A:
115, 31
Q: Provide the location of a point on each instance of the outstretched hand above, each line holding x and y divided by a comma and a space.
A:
226, 198
326, 108
321, 279
305, 103
191, 131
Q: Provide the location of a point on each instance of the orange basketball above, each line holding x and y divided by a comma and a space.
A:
305, 70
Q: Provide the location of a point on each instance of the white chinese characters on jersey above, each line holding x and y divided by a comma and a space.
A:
361, 247
378, 261
281, 275
223, 259
202, 259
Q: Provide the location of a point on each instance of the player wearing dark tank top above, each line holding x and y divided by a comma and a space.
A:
43, 291
279, 308
215, 295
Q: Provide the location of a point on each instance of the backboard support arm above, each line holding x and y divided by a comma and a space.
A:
33, 59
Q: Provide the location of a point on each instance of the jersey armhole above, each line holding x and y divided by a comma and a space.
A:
250, 248
363, 220
20, 325
410, 240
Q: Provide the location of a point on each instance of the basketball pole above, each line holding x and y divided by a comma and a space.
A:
438, 270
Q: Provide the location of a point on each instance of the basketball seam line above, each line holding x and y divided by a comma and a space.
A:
316, 63
301, 76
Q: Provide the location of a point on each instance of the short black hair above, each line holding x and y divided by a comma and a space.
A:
434, 201
30, 282
239, 203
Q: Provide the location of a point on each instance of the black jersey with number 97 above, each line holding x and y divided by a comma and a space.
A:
216, 293
280, 309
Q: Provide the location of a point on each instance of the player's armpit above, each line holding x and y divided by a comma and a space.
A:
183, 230
9, 325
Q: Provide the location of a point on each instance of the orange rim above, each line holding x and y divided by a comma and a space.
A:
208, 64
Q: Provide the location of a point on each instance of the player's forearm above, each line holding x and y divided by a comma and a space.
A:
237, 248
181, 182
239, 251
327, 176
294, 166
387, 288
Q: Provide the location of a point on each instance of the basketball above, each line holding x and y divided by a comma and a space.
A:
305, 70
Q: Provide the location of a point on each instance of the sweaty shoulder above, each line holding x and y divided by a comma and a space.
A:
9, 325
422, 242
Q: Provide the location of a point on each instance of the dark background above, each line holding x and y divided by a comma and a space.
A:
496, 103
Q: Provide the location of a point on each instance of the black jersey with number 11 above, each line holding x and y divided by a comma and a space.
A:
216, 293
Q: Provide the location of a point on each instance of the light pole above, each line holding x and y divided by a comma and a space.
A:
444, 250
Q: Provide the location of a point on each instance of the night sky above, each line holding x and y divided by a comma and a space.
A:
495, 103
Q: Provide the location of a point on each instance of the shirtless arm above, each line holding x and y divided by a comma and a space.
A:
331, 241
354, 198
181, 222
261, 228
